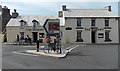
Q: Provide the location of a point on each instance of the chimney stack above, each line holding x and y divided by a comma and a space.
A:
108, 8
64, 7
15, 14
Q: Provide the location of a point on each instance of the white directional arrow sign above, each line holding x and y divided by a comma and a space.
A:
52, 26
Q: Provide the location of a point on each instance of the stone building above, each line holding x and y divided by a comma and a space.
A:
87, 26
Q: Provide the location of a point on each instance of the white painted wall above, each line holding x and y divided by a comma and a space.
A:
13, 31
71, 35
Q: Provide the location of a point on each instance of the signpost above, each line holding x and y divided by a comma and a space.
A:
52, 26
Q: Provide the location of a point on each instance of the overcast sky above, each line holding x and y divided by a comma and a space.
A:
51, 7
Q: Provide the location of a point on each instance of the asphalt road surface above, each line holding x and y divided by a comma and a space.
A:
82, 57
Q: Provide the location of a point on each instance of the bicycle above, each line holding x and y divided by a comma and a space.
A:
48, 48
58, 46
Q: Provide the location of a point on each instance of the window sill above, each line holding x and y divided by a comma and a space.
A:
79, 40
107, 27
107, 40
79, 27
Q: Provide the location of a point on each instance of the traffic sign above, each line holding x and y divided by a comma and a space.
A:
52, 26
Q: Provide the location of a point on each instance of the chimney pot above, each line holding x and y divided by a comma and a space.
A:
64, 7
108, 8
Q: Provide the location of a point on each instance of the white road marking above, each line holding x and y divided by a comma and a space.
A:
73, 48
24, 53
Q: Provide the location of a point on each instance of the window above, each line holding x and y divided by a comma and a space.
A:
35, 23
22, 35
93, 22
106, 22
23, 23
79, 39
107, 36
78, 22
78, 34
60, 14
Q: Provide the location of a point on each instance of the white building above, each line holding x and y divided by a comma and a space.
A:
77, 25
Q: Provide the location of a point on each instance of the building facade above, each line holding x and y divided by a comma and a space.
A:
77, 25
4, 19
27, 25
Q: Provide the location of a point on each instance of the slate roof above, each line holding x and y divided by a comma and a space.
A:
29, 19
88, 13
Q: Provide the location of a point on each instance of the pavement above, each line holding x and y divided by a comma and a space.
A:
63, 54
52, 54
82, 57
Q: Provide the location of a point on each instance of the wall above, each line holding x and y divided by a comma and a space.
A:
71, 35
12, 32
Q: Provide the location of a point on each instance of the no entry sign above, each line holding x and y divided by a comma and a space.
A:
52, 26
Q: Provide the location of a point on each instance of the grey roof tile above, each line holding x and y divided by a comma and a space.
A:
88, 13
29, 19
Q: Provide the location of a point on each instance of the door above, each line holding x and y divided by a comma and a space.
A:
93, 36
34, 36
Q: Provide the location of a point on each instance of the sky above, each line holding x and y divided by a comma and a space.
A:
51, 7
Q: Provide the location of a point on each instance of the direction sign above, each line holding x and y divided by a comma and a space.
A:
52, 26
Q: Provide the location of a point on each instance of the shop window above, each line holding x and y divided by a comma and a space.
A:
79, 39
41, 35
107, 36
22, 35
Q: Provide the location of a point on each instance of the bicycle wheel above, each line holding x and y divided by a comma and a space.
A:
47, 49
58, 49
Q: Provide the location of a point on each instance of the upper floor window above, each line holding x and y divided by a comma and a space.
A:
78, 22
106, 22
35, 23
93, 22
60, 14
23, 23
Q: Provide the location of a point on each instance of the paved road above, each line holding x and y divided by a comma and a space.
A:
83, 57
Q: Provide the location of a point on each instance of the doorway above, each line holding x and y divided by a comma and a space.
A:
93, 36
35, 37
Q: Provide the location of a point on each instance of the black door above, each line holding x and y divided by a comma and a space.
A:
93, 36
34, 36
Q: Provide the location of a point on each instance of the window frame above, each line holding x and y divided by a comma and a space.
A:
107, 36
93, 24
106, 21
79, 36
79, 22
35, 23
22, 34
